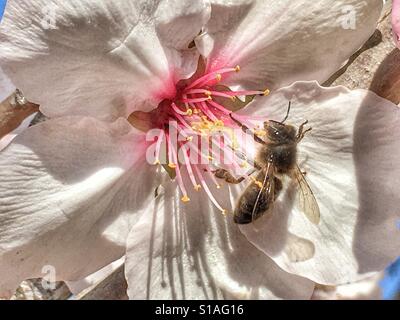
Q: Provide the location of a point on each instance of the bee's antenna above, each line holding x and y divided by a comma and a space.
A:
287, 113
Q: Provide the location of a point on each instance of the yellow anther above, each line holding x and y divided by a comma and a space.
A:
237, 68
258, 184
244, 165
266, 92
260, 132
156, 162
189, 138
209, 98
185, 198
210, 158
233, 98
224, 212
197, 187
189, 112
218, 77
208, 93
172, 165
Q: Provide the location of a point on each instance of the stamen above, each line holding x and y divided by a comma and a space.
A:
244, 164
257, 182
195, 100
260, 133
229, 94
219, 107
221, 94
207, 111
214, 180
207, 190
171, 161
158, 147
192, 145
185, 124
212, 76
197, 115
199, 91
177, 110
186, 104
181, 185
227, 152
189, 168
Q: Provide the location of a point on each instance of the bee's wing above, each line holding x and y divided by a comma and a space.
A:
306, 199
268, 186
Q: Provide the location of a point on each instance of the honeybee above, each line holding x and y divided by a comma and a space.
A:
276, 157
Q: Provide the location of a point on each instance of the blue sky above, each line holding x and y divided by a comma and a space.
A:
2, 5
391, 283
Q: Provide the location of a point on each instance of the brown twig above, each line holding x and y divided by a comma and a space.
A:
11, 115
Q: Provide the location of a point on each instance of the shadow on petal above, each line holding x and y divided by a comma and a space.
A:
376, 156
197, 253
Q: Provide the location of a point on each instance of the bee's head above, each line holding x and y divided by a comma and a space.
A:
280, 132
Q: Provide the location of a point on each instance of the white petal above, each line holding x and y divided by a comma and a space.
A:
77, 287
192, 251
367, 289
6, 86
279, 42
70, 190
6, 140
351, 160
96, 57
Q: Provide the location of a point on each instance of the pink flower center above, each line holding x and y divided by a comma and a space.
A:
196, 130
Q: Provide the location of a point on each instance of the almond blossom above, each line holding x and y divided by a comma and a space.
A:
78, 192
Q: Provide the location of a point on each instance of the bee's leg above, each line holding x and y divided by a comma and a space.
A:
227, 176
301, 132
247, 130
301, 128
257, 165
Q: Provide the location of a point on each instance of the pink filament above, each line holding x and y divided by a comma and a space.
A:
206, 189
210, 77
202, 114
